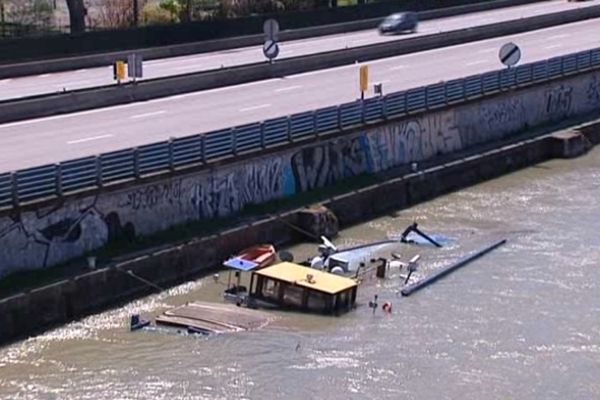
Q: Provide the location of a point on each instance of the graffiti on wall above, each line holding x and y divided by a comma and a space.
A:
227, 193
321, 165
593, 91
413, 140
558, 101
154, 195
51, 235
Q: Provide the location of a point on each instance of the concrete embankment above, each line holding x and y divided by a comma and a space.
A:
39, 309
96, 60
54, 231
41, 106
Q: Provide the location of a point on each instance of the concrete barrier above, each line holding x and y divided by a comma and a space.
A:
96, 60
114, 95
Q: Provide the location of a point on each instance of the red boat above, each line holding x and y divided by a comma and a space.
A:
262, 255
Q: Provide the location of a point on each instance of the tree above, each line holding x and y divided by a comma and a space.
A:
77, 14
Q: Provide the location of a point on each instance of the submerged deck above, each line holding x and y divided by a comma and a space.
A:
214, 317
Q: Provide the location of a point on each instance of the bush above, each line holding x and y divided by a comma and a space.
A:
154, 14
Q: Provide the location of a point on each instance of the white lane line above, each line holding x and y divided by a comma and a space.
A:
63, 116
255, 107
89, 139
151, 114
487, 51
557, 37
5, 80
77, 82
287, 89
553, 46
477, 62
43, 76
80, 70
396, 68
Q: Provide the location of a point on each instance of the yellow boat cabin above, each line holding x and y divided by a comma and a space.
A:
289, 285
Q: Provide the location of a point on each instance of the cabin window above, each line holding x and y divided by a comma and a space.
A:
317, 301
292, 295
271, 289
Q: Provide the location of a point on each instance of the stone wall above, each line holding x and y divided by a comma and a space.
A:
72, 226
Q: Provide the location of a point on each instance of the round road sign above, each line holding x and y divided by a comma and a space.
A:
509, 54
271, 29
270, 49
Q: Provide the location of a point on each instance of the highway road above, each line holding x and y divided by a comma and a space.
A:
85, 78
48, 140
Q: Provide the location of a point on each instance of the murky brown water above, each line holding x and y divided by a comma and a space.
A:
520, 323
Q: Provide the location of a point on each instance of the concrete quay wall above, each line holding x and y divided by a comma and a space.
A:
40, 237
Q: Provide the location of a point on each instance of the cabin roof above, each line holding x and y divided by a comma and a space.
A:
297, 274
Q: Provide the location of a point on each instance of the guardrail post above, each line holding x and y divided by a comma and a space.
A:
58, 176
234, 141
171, 161
263, 144
136, 163
99, 171
362, 111
203, 148
289, 130
15, 189
384, 107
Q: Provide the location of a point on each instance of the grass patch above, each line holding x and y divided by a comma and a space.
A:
24, 280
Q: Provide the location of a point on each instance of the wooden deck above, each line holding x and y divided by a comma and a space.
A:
214, 317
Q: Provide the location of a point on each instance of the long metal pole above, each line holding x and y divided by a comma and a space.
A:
408, 290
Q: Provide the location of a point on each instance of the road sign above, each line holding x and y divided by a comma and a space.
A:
364, 78
270, 49
271, 29
134, 66
119, 70
510, 54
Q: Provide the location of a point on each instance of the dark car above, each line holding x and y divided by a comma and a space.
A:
399, 22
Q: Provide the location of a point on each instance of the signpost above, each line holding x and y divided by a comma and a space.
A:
363, 80
271, 29
119, 71
135, 66
271, 48
509, 54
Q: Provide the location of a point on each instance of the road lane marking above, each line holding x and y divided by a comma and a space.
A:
150, 114
396, 68
287, 89
5, 80
553, 46
477, 62
80, 70
487, 51
43, 76
255, 107
89, 139
564, 35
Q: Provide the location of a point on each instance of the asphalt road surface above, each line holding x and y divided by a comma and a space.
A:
85, 78
53, 139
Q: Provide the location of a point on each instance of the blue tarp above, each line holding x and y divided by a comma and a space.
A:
240, 263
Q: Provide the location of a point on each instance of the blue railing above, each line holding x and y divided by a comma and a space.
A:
130, 164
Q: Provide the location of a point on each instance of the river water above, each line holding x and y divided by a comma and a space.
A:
520, 323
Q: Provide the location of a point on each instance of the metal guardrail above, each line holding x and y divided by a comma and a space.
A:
68, 177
